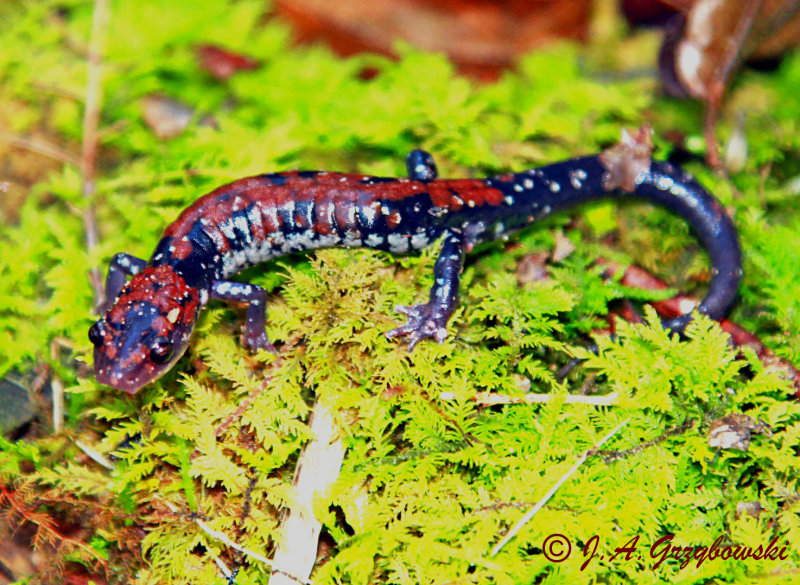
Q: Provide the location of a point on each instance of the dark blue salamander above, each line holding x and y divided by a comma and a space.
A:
149, 320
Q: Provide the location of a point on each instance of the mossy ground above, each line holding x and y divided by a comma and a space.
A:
431, 480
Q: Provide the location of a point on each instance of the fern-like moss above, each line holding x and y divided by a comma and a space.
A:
431, 478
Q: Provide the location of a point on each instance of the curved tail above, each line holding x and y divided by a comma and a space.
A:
627, 171
674, 189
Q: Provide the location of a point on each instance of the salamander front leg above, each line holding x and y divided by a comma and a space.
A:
121, 267
430, 319
421, 166
255, 333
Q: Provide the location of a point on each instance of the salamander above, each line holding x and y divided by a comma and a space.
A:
149, 319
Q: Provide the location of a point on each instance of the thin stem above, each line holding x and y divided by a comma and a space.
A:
91, 121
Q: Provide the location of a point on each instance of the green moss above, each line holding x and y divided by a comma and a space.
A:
431, 480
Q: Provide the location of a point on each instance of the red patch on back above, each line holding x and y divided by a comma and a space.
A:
182, 249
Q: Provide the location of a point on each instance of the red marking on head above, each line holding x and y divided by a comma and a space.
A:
160, 286
162, 326
155, 307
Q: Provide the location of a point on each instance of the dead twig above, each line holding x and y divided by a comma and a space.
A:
681, 304
540, 504
491, 399
91, 142
40, 146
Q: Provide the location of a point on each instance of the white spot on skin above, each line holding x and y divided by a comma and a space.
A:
664, 183
298, 241
240, 257
328, 241
419, 241
254, 217
576, 177
518, 188
288, 210
555, 187
352, 239
173, 315
374, 240
227, 228
203, 296
369, 213
528, 184
229, 264
271, 215
470, 203
240, 222
678, 190
508, 200
398, 243
277, 238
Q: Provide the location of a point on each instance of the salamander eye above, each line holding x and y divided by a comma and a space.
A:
96, 334
161, 352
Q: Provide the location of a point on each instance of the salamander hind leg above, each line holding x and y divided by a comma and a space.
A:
255, 333
421, 166
430, 319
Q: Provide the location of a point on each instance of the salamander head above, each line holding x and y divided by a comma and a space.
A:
146, 330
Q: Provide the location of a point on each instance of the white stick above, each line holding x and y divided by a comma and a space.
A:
95, 455
317, 469
490, 398
540, 504
58, 404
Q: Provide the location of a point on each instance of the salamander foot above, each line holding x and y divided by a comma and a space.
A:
425, 320
259, 341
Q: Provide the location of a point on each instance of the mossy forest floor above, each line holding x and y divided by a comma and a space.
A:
432, 479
